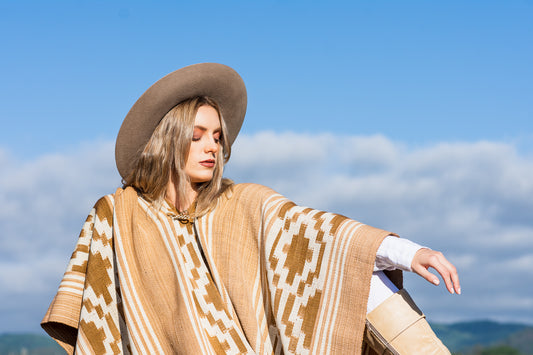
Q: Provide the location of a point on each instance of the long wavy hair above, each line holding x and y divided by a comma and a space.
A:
165, 155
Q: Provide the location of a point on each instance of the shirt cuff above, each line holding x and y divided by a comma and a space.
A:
396, 253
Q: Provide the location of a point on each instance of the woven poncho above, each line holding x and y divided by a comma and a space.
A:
257, 274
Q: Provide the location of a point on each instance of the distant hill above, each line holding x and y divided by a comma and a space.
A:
522, 340
464, 336
479, 337
28, 344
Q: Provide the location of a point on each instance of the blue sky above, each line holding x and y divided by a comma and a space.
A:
414, 116
418, 71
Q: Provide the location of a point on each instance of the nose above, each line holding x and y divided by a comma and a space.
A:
211, 146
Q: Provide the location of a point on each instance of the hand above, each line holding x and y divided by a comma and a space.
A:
426, 258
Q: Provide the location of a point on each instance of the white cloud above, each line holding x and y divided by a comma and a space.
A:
470, 200
43, 203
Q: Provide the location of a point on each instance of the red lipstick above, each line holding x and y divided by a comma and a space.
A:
209, 163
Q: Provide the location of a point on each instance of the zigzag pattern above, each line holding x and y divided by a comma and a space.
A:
99, 327
280, 279
295, 270
215, 319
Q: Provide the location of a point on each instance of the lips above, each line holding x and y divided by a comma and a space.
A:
209, 163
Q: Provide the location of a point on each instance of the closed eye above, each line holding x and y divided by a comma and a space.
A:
217, 137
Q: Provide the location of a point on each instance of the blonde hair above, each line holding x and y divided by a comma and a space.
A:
164, 157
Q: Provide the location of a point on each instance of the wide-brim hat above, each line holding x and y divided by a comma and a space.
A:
217, 81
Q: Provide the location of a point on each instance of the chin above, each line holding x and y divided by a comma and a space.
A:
201, 179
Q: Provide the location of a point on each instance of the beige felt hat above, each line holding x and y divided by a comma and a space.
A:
217, 81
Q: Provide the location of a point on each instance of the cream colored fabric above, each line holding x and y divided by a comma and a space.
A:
397, 326
280, 279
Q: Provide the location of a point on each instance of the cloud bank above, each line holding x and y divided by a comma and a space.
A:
470, 200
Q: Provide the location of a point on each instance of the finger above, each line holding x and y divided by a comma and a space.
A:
453, 275
437, 261
423, 272
445, 273
457, 285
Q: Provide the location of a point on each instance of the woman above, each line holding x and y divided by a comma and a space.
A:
181, 260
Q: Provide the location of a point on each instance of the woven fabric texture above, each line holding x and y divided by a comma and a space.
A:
267, 277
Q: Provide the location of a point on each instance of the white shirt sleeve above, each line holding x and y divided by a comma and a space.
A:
395, 253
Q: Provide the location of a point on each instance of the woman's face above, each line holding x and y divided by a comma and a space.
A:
205, 145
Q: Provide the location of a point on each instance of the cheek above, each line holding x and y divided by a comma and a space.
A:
193, 152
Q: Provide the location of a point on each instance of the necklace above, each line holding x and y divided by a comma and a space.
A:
183, 216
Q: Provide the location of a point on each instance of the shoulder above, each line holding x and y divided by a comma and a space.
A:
254, 189
250, 196
105, 201
103, 208
105, 204
246, 195
249, 191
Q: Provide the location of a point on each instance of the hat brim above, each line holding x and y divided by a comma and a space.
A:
217, 81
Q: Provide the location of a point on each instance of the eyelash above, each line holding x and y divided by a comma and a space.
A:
217, 140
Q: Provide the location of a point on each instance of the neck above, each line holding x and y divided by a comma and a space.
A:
181, 203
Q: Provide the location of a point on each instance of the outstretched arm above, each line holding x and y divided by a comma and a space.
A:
403, 254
